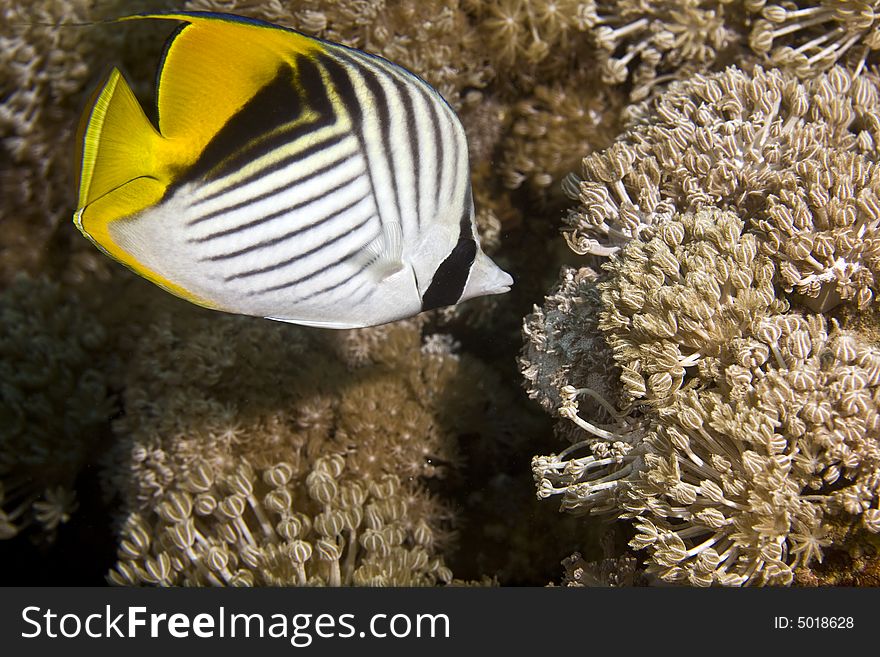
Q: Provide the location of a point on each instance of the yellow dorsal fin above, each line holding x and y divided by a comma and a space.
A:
212, 67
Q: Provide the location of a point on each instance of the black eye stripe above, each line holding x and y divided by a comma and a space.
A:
451, 276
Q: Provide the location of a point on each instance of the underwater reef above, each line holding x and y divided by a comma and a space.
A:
682, 387
235, 467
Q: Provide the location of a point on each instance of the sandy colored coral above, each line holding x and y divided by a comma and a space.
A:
528, 39
810, 36
611, 571
551, 125
647, 44
635, 43
44, 72
733, 484
856, 562
740, 481
752, 143
563, 345
565, 68
679, 293
761, 426
570, 369
54, 404
228, 401
272, 528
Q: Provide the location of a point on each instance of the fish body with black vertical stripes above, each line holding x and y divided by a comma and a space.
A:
287, 177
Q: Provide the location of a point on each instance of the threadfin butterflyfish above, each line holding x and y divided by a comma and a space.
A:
287, 177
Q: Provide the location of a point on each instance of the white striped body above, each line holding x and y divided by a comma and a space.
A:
332, 198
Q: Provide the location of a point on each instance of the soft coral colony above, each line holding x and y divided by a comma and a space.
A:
712, 361
735, 422
235, 468
745, 424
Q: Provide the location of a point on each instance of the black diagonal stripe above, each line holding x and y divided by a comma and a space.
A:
413, 139
300, 256
351, 254
283, 185
310, 84
271, 108
267, 121
381, 105
328, 288
340, 79
439, 150
337, 67
278, 240
275, 166
451, 276
311, 92
274, 215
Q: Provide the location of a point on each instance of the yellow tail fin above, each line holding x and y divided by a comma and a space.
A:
119, 147
118, 141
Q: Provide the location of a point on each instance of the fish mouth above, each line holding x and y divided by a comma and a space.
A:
503, 281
